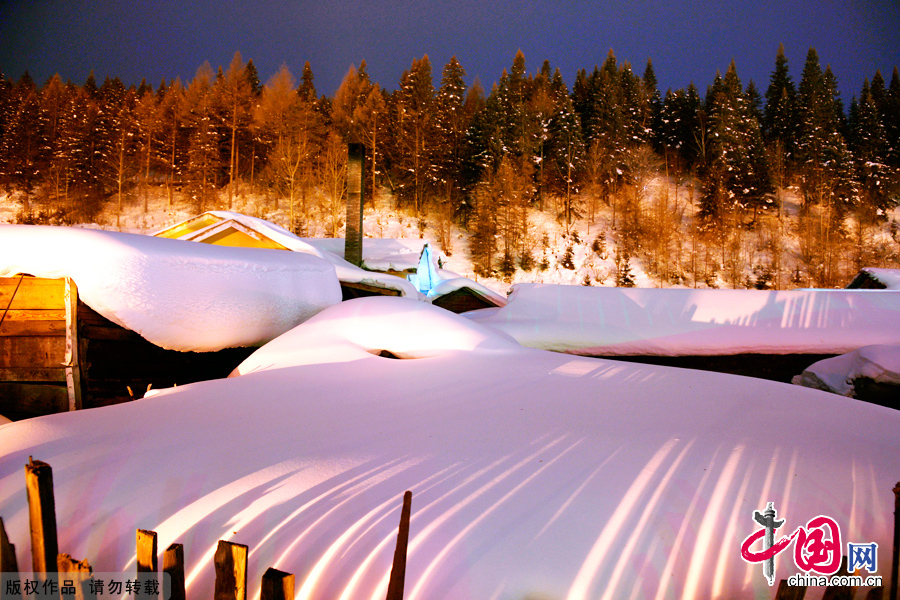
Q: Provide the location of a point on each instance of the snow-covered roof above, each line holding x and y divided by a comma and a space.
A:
534, 474
448, 286
177, 294
331, 249
879, 363
889, 278
681, 322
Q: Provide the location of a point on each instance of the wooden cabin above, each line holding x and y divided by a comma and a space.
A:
58, 354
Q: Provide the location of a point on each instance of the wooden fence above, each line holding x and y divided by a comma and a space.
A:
231, 558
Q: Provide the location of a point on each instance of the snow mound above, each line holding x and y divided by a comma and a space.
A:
534, 474
678, 322
879, 363
363, 327
178, 295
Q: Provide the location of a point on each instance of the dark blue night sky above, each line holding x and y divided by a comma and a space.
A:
687, 41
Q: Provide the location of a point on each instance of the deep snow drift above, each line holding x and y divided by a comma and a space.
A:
683, 322
534, 474
179, 295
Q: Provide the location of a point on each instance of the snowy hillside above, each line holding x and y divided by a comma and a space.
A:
588, 254
534, 474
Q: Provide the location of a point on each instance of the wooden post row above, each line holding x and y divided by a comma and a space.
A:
42, 514
231, 571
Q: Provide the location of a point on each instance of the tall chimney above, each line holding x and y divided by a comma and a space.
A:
356, 176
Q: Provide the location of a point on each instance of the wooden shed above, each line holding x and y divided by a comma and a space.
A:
58, 354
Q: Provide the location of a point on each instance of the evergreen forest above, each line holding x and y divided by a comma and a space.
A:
771, 187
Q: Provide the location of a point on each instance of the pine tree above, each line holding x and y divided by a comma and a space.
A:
234, 93
825, 169
24, 150
651, 105
737, 166
291, 128
413, 110
891, 117
821, 149
869, 144
779, 116
565, 150
202, 123
446, 152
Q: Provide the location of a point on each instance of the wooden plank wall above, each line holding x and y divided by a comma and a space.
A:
32, 346
43, 370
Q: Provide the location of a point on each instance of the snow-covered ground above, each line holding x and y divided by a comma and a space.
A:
534, 474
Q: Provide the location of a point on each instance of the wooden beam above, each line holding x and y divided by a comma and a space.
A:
72, 360
173, 566
34, 323
33, 292
145, 541
49, 351
277, 585
33, 375
231, 571
42, 513
74, 578
398, 569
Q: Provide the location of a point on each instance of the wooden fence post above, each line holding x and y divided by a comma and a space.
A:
145, 542
9, 568
8, 563
74, 577
790, 592
231, 571
42, 513
839, 592
277, 585
895, 556
398, 570
173, 565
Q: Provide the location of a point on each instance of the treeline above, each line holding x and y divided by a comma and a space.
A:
455, 154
